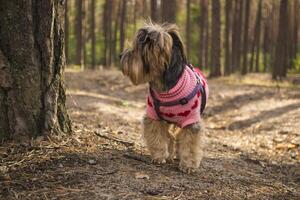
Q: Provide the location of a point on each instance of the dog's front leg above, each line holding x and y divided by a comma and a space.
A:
190, 147
157, 139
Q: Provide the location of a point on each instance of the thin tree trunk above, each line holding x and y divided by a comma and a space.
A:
84, 32
110, 32
281, 57
258, 28
256, 40
240, 36
108, 35
267, 38
135, 9
154, 11
79, 33
296, 26
93, 34
203, 25
116, 29
168, 11
145, 9
274, 31
122, 25
188, 27
106, 31
236, 36
246, 39
258, 36
32, 93
216, 40
66, 32
228, 32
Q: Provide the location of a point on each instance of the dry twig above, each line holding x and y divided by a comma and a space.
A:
126, 143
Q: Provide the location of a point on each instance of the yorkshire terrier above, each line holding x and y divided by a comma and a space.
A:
177, 95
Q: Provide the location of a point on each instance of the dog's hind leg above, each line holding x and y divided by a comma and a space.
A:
157, 139
190, 147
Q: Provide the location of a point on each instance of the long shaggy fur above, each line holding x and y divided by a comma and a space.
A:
158, 57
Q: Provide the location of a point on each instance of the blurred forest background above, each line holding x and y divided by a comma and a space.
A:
221, 36
77, 134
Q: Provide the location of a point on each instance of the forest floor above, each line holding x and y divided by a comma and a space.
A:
253, 147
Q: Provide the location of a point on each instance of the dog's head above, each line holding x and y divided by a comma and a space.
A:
154, 49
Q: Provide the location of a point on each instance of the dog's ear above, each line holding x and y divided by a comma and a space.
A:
173, 30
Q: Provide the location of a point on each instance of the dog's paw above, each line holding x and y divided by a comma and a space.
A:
159, 161
187, 170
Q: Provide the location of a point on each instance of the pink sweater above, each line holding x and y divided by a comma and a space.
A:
182, 115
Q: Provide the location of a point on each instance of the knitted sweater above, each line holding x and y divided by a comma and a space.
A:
182, 115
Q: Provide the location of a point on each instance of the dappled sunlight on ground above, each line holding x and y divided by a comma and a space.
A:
252, 151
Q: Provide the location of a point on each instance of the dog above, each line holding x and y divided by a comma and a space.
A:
177, 95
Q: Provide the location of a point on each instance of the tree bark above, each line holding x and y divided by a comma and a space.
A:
79, 33
245, 39
281, 52
237, 35
267, 38
93, 34
168, 11
228, 32
154, 11
296, 26
216, 40
66, 32
258, 35
122, 25
32, 61
256, 40
85, 36
203, 25
108, 32
116, 29
145, 9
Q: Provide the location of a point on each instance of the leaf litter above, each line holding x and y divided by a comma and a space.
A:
252, 150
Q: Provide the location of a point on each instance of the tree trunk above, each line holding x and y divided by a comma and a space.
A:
236, 36
154, 11
93, 34
85, 29
245, 39
296, 26
256, 40
281, 57
215, 40
122, 25
108, 33
228, 32
168, 11
66, 32
188, 27
203, 33
135, 10
116, 29
258, 37
274, 31
79, 34
32, 60
145, 8
267, 39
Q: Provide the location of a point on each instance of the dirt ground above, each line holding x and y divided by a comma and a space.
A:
253, 148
